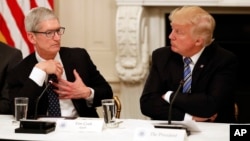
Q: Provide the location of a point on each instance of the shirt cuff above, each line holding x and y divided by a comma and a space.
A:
188, 117
90, 98
167, 96
38, 76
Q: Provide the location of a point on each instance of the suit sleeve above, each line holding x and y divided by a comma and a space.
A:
13, 59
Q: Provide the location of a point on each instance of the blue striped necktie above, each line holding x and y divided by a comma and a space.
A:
54, 105
187, 76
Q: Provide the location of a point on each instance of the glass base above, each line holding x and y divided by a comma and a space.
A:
15, 123
112, 125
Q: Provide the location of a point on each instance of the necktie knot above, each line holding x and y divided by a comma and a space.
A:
187, 60
52, 77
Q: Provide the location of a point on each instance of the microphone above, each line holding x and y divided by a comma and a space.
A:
38, 99
172, 101
170, 125
52, 78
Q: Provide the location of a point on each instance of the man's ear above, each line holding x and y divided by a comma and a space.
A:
199, 42
31, 37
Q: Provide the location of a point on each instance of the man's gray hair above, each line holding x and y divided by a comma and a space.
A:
36, 16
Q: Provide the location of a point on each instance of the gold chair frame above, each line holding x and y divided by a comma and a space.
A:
118, 106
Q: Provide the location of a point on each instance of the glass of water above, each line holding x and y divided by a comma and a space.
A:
109, 113
21, 108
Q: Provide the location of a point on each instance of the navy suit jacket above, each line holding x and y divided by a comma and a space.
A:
214, 80
72, 58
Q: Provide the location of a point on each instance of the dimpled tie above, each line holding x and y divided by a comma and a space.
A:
187, 75
54, 106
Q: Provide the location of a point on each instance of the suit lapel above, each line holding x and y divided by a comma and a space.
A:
177, 65
67, 61
202, 63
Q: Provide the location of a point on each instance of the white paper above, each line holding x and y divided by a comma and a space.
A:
149, 134
80, 125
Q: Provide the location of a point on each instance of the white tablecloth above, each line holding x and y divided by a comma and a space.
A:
125, 132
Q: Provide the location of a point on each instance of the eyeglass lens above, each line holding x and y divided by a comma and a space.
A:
51, 34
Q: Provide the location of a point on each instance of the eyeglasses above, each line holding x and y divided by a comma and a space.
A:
51, 33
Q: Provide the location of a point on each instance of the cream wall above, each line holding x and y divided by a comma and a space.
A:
90, 25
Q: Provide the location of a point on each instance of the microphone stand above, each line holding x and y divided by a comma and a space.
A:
170, 125
172, 101
52, 78
38, 99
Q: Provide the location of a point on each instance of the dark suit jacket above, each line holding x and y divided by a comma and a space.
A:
72, 58
213, 85
9, 57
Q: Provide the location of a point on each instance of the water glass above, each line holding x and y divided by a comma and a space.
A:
21, 108
109, 112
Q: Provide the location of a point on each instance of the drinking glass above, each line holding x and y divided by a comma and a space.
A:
21, 108
108, 106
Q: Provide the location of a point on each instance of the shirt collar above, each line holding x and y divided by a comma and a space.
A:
40, 59
196, 56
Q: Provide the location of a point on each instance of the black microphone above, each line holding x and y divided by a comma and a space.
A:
38, 99
170, 125
51, 78
172, 101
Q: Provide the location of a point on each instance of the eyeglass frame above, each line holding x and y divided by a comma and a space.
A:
52, 32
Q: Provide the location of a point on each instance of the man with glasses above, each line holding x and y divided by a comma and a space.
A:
79, 86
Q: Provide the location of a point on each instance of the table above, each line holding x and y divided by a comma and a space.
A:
125, 132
